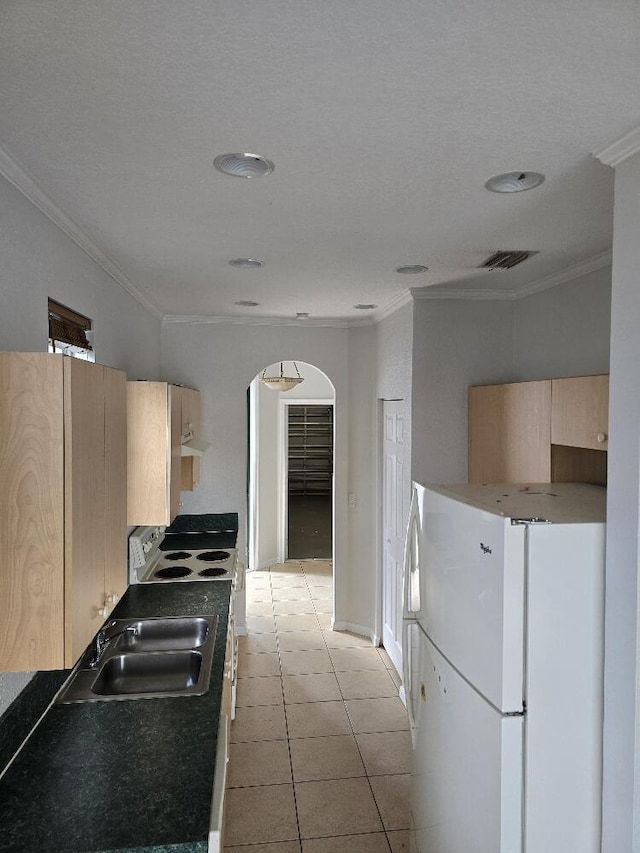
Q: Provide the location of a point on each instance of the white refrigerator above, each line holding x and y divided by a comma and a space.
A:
503, 667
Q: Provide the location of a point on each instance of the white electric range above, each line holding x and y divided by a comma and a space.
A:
153, 558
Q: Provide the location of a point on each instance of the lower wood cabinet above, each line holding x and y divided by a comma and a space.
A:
63, 527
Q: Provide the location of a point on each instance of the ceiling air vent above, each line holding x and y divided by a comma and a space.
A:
505, 260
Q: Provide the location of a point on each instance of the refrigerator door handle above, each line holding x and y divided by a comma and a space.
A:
407, 666
411, 563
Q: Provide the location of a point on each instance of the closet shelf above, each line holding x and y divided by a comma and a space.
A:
310, 430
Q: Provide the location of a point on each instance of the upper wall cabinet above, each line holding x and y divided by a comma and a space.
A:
62, 506
509, 433
155, 429
580, 412
190, 474
552, 430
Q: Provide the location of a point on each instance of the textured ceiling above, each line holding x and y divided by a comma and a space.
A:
383, 118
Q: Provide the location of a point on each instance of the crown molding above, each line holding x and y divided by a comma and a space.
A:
463, 293
394, 305
577, 270
592, 264
31, 190
232, 320
617, 152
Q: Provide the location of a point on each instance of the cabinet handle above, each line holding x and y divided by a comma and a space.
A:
601, 437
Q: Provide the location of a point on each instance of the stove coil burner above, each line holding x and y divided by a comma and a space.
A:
214, 556
173, 572
177, 555
213, 572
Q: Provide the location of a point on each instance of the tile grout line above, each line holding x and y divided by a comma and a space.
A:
286, 723
351, 723
353, 734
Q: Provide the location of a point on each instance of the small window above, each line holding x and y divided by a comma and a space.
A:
70, 333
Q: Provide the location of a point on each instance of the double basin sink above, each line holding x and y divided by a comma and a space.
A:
145, 658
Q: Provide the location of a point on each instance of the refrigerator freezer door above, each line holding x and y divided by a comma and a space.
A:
467, 779
473, 598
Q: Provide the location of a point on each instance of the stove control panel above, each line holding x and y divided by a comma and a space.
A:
142, 542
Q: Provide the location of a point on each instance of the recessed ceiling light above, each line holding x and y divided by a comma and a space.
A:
247, 303
514, 182
243, 165
246, 263
365, 306
412, 269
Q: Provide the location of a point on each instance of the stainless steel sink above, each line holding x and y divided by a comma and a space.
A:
148, 673
146, 658
158, 635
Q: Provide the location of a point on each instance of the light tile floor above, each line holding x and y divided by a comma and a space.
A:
320, 748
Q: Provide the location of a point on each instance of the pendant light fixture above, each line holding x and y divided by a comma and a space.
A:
282, 382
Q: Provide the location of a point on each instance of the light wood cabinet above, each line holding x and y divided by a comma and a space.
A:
509, 433
552, 430
580, 412
62, 520
154, 461
190, 474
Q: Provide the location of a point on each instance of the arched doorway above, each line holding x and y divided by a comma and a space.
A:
290, 467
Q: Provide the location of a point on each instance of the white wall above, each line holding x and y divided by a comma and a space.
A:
456, 343
221, 360
621, 800
40, 261
362, 580
267, 474
316, 386
564, 331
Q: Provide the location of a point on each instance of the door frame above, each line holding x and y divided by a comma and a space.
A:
379, 533
283, 469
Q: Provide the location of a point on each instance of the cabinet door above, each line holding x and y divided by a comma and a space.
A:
148, 453
175, 433
509, 433
190, 423
31, 512
115, 465
580, 411
84, 503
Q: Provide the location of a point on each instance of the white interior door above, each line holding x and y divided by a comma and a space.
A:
395, 509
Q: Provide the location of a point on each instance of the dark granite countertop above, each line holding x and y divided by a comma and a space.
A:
205, 523
126, 776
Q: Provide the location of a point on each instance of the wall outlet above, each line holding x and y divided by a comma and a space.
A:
353, 501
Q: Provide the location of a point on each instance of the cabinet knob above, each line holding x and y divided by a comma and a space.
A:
103, 611
112, 599
601, 437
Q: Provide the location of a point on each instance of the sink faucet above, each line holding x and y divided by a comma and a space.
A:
103, 638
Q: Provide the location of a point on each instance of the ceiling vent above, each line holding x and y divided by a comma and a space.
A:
505, 260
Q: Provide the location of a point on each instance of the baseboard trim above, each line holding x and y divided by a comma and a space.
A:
357, 629
264, 566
